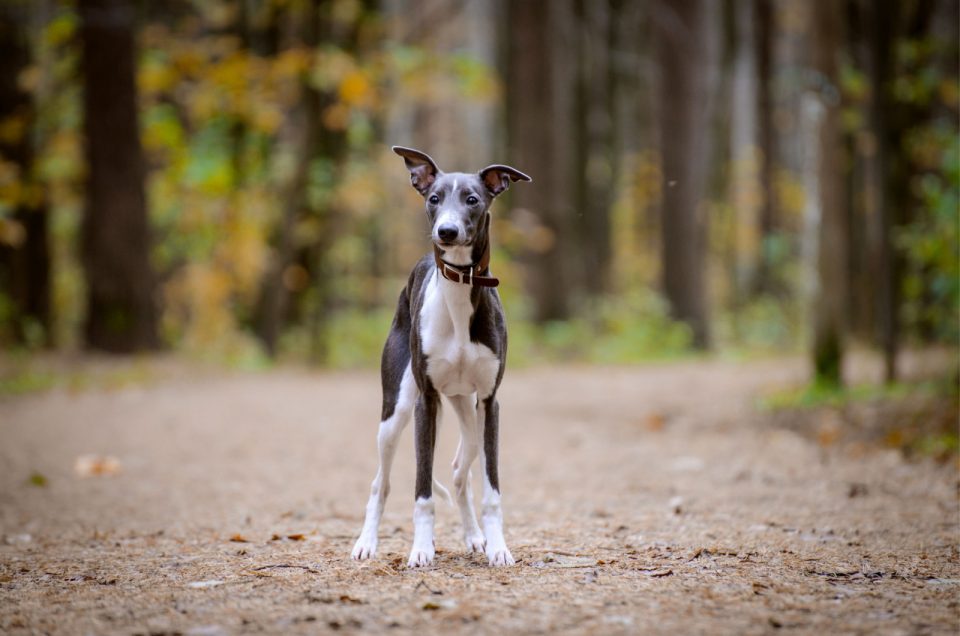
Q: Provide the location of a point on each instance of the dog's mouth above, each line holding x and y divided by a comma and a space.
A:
444, 244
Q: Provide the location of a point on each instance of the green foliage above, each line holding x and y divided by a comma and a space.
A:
763, 324
619, 329
932, 242
812, 396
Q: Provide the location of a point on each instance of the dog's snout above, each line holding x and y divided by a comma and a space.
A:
448, 232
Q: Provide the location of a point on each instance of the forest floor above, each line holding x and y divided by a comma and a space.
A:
652, 499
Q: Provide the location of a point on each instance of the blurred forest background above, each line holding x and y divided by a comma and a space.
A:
214, 177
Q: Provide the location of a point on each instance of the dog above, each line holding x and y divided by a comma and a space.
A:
448, 337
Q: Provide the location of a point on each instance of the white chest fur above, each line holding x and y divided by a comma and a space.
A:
455, 365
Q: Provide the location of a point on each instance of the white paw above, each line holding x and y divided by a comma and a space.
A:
365, 548
420, 558
499, 557
475, 542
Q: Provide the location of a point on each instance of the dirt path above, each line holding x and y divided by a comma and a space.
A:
636, 500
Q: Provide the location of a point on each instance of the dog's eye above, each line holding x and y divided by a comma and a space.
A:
434, 199
472, 200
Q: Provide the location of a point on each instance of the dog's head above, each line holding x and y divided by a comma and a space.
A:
456, 202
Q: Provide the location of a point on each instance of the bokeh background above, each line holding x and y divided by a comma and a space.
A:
741, 176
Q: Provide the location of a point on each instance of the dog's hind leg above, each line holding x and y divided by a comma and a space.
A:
465, 406
387, 437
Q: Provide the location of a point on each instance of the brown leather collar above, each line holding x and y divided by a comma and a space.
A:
466, 274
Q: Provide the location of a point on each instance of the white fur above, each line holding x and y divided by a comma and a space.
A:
423, 546
496, 548
390, 429
456, 365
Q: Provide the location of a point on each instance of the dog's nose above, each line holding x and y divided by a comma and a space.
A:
447, 232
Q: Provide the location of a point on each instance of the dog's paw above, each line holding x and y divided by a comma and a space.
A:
420, 558
364, 548
475, 542
499, 557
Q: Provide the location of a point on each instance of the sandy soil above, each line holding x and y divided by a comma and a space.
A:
637, 500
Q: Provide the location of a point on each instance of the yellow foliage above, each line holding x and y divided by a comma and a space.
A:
155, 77
60, 29
266, 118
289, 64
355, 89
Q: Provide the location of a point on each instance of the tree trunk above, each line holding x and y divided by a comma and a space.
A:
24, 251
766, 278
831, 291
688, 77
745, 155
540, 89
275, 292
878, 22
597, 157
121, 311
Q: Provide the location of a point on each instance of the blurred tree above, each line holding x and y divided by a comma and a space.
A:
687, 93
830, 294
597, 157
884, 186
121, 311
766, 280
24, 252
541, 73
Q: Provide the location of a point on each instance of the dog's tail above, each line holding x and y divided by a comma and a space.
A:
444, 493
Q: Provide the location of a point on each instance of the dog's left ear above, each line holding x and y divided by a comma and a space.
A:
497, 178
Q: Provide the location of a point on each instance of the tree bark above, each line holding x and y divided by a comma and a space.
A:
687, 87
597, 156
24, 250
831, 290
121, 311
540, 88
766, 279
745, 154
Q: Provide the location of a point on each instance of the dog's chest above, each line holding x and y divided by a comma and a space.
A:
455, 365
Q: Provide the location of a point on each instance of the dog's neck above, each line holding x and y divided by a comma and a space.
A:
473, 274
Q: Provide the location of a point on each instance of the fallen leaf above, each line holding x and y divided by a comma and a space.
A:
346, 598
37, 479
239, 538
655, 422
857, 489
296, 537
660, 573
676, 504
447, 603
95, 465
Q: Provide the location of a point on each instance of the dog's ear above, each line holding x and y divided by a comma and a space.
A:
423, 170
497, 178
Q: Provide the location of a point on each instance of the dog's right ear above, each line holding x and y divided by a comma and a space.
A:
423, 170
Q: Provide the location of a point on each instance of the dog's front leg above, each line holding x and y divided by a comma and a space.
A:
492, 515
426, 437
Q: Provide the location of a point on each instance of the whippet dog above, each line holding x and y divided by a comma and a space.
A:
448, 337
